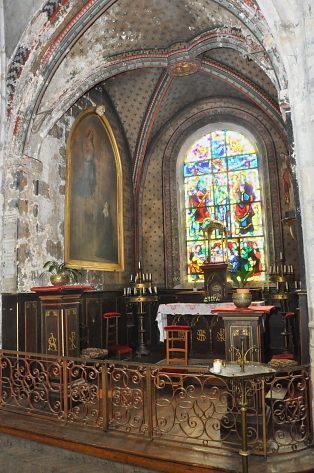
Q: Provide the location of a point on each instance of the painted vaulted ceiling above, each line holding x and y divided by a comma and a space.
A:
154, 58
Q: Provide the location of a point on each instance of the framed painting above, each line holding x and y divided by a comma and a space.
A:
93, 210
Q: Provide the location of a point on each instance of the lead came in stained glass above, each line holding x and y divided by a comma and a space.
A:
226, 189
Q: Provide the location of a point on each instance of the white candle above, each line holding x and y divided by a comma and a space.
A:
155, 290
217, 366
280, 256
124, 291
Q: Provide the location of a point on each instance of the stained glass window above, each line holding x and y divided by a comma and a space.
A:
222, 182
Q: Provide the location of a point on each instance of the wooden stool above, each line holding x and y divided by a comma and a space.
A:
112, 344
177, 343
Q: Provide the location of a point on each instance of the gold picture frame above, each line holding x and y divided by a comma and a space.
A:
94, 199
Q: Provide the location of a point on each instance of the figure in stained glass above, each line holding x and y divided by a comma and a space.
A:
251, 257
195, 263
234, 258
243, 210
198, 202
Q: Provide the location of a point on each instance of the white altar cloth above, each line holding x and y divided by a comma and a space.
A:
183, 308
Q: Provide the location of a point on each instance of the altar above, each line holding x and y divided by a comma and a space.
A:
216, 326
207, 336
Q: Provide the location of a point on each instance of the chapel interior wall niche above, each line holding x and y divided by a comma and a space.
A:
160, 222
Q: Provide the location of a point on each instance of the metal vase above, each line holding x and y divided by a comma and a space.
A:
242, 298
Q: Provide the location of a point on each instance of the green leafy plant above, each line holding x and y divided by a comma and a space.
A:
240, 276
55, 269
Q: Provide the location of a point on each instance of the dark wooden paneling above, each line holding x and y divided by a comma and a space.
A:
31, 326
9, 321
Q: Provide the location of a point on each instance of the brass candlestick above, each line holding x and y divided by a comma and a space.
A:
141, 292
241, 354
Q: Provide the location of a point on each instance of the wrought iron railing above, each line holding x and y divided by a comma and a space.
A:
187, 404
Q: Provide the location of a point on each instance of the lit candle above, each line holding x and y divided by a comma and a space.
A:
139, 265
217, 366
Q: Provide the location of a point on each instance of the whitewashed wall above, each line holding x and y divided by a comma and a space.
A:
292, 26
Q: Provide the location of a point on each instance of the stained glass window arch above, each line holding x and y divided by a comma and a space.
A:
222, 181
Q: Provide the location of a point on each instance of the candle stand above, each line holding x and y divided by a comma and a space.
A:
283, 276
244, 375
141, 292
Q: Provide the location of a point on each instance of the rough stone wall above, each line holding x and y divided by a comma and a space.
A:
41, 201
2, 137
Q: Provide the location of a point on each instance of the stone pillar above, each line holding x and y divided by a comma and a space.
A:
2, 140
291, 23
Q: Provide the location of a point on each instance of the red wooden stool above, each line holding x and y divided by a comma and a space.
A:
112, 344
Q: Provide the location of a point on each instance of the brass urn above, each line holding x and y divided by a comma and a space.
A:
242, 298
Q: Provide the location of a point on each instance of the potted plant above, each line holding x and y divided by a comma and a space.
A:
242, 296
60, 274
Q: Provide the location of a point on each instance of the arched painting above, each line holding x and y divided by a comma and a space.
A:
93, 220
